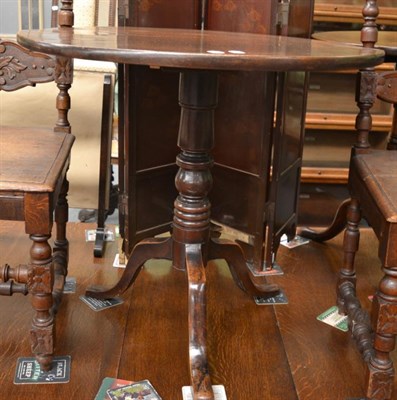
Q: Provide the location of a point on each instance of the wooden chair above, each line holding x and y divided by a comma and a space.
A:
373, 190
33, 187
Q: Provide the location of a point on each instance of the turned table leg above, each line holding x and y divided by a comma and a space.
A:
191, 223
200, 377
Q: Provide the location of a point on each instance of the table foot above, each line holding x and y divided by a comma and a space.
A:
233, 254
143, 251
199, 371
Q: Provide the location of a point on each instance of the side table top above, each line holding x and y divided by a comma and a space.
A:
180, 48
387, 40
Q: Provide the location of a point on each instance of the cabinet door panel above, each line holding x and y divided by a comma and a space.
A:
287, 161
151, 122
262, 207
242, 196
243, 123
288, 142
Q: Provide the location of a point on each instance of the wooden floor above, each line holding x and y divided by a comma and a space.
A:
257, 352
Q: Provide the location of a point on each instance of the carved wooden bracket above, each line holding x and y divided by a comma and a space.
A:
380, 384
366, 87
41, 279
386, 88
64, 70
20, 67
42, 339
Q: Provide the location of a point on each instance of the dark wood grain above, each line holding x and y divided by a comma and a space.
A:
32, 171
257, 352
310, 291
198, 49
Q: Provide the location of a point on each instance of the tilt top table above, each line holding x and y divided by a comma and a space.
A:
387, 40
199, 55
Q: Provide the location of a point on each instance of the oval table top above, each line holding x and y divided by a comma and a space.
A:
387, 40
211, 50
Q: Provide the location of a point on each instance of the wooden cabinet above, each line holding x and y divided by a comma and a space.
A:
331, 106
243, 197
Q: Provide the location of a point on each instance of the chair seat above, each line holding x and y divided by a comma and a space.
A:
32, 159
378, 170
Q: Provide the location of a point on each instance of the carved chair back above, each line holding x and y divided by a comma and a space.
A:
20, 67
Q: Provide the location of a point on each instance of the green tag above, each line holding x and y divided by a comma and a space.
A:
333, 318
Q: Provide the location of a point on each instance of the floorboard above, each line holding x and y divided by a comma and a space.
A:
257, 352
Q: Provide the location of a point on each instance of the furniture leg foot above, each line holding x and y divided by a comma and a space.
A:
232, 253
380, 381
143, 251
199, 371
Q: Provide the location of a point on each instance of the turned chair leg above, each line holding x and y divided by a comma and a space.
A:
40, 283
348, 303
380, 373
347, 275
375, 349
61, 244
